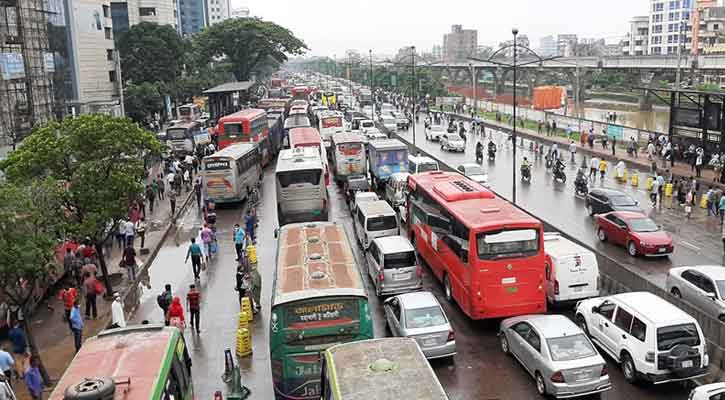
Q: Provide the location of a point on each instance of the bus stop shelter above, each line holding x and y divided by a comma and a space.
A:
228, 98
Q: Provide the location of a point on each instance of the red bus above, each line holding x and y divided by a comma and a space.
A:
488, 254
310, 137
301, 93
248, 125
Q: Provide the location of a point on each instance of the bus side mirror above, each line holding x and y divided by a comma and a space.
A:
276, 233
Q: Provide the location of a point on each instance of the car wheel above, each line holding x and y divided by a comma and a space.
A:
582, 323
590, 209
628, 369
601, 235
676, 292
447, 288
632, 249
540, 385
504, 344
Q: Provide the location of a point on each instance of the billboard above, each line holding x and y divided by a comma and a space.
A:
12, 66
687, 117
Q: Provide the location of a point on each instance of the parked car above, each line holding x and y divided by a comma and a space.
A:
652, 339
712, 391
452, 142
419, 315
474, 172
434, 132
556, 353
633, 230
601, 200
702, 286
389, 122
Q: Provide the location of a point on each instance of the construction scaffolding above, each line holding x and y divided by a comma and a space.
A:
26, 68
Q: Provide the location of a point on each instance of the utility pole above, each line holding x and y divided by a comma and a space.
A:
372, 88
513, 134
679, 57
412, 63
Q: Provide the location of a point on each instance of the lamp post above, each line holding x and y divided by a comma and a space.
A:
515, 32
372, 88
412, 91
474, 84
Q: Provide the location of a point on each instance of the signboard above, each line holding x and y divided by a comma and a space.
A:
332, 122
615, 131
343, 310
687, 117
12, 66
215, 165
448, 101
49, 61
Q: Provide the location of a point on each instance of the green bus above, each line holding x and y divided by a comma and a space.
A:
318, 300
140, 362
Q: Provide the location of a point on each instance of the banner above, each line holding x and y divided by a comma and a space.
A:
615, 131
12, 66
448, 101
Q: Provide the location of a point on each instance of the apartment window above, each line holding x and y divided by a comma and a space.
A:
657, 18
658, 7
637, 42
674, 5
638, 53
671, 27
657, 29
625, 44
715, 27
112, 76
657, 50
107, 11
109, 54
686, 15
147, 11
686, 4
107, 31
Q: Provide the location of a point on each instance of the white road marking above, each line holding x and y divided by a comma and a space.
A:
690, 245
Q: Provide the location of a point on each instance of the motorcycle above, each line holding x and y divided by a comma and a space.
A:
491, 155
559, 175
549, 162
580, 187
526, 173
479, 154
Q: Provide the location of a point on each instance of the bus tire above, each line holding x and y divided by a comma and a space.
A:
96, 388
447, 291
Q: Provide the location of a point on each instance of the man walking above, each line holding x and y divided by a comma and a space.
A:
250, 221
593, 167
118, 318
129, 230
90, 286
256, 288
68, 297
77, 324
151, 196
195, 253
6, 363
161, 187
572, 150
197, 191
193, 300
238, 240
721, 206
129, 261
164, 301
172, 202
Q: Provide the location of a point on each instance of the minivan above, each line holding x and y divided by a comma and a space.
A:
392, 265
374, 219
571, 270
418, 164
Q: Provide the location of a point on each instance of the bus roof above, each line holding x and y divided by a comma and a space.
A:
357, 370
247, 114
298, 159
306, 135
136, 352
234, 151
346, 137
185, 125
474, 205
315, 260
387, 144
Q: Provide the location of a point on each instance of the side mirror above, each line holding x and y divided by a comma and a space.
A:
711, 296
276, 233
595, 310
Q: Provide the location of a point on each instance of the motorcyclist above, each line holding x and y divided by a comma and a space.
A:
559, 166
525, 165
491, 147
479, 150
462, 130
580, 182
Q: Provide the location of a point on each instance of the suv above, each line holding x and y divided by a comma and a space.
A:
652, 339
600, 201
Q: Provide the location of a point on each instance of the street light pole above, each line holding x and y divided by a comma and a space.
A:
513, 135
412, 57
679, 57
372, 88
474, 83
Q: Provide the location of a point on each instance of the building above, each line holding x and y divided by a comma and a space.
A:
612, 50
459, 44
404, 54
521, 40
566, 45
437, 52
192, 16
217, 11
127, 13
636, 41
705, 33
239, 12
548, 46
667, 22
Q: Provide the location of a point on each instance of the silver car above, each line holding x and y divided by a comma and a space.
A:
703, 286
556, 352
418, 315
452, 142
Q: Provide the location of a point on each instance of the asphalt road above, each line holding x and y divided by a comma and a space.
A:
478, 371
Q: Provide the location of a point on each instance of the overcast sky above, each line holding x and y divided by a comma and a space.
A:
331, 27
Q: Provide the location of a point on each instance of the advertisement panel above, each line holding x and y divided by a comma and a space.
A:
12, 66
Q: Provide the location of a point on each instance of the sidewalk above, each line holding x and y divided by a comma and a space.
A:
52, 335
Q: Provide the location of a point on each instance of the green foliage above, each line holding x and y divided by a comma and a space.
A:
609, 80
141, 101
708, 87
150, 53
248, 44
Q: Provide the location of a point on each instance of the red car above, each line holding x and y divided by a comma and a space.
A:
639, 234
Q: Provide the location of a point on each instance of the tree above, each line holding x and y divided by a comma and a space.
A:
30, 221
100, 160
150, 53
142, 101
247, 43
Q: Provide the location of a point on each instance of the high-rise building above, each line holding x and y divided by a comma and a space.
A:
127, 13
704, 31
437, 52
566, 45
239, 12
192, 16
667, 22
547, 46
217, 11
636, 41
459, 44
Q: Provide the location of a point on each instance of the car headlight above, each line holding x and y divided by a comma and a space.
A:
642, 243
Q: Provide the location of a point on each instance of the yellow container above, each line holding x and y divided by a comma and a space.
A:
252, 254
648, 183
635, 180
703, 201
668, 189
246, 309
244, 342
243, 321
624, 176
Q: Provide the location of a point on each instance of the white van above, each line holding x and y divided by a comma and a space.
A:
374, 219
572, 271
300, 184
418, 164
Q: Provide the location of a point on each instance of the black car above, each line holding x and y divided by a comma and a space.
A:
600, 201
355, 183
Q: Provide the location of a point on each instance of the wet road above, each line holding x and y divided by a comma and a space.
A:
478, 371
696, 242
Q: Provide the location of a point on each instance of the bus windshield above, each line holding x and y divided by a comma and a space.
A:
176, 134
232, 128
309, 176
507, 243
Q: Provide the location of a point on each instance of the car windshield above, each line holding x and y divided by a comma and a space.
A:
382, 223
176, 134
622, 201
567, 348
670, 336
424, 317
403, 259
306, 176
643, 225
426, 166
474, 170
454, 138
507, 243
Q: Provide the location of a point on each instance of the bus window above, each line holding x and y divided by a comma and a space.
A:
310, 176
513, 242
232, 128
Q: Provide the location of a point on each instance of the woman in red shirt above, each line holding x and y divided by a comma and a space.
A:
175, 315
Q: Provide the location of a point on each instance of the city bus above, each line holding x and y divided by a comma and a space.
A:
181, 138
300, 186
188, 112
330, 124
310, 137
248, 125
385, 368
231, 173
488, 254
301, 92
348, 156
318, 300
144, 361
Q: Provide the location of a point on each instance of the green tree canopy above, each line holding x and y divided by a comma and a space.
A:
142, 101
101, 161
248, 44
150, 53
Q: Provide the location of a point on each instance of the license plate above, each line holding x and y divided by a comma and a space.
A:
577, 288
429, 342
663, 249
402, 277
687, 364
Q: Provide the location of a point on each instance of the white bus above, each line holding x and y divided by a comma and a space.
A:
300, 184
330, 125
231, 173
348, 156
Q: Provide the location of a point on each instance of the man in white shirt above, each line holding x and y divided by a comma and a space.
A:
118, 319
593, 167
129, 229
572, 150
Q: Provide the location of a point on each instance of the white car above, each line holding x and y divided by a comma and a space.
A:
389, 122
713, 391
474, 172
434, 132
452, 142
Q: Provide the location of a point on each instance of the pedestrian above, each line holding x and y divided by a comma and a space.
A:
539, 125
129, 262
593, 166
207, 237
689, 198
121, 234
256, 288
68, 261
722, 236
161, 187
250, 222
172, 202
614, 145
654, 191
602, 169
721, 208
90, 285
77, 324
175, 315
197, 191
89, 268
150, 197
553, 127
7, 363
18, 339
129, 231
118, 318
68, 297
240, 286
193, 301
195, 253
572, 150
164, 301
699, 162
548, 128
33, 379
238, 240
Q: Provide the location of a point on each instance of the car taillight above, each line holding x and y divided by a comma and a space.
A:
605, 370
381, 276
556, 287
558, 377
451, 335
649, 357
419, 271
